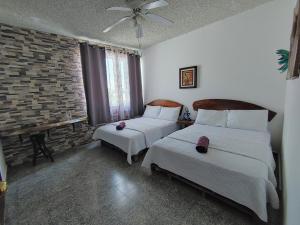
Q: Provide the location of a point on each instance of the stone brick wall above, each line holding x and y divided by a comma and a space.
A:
40, 81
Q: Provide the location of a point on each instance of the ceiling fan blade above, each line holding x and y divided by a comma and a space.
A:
156, 4
158, 19
123, 9
139, 31
117, 23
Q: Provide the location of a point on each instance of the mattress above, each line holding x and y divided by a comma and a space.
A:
139, 134
239, 164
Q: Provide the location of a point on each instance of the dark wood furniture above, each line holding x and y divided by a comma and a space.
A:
226, 104
39, 128
185, 123
278, 169
37, 136
39, 148
166, 103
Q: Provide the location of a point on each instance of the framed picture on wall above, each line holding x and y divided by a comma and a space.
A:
188, 77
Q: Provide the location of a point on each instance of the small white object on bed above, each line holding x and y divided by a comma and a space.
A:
170, 114
152, 111
248, 119
216, 118
140, 133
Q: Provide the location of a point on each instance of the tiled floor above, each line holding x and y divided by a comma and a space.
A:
96, 186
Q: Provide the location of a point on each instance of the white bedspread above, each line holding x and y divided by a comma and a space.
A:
139, 133
239, 164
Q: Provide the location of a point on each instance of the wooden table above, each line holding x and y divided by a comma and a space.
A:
39, 128
37, 137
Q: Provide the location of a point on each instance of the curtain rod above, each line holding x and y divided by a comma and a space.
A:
111, 47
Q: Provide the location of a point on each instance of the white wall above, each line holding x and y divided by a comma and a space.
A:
291, 153
236, 59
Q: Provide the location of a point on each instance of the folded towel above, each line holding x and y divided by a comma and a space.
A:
202, 144
121, 126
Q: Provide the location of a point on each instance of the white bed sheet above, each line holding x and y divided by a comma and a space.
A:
239, 164
139, 134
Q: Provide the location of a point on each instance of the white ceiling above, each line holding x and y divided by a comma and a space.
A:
87, 18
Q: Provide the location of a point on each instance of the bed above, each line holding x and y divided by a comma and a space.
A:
139, 133
239, 164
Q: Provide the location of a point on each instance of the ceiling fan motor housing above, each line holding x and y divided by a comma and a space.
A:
136, 10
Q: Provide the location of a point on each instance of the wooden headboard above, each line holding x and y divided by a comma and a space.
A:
226, 104
166, 103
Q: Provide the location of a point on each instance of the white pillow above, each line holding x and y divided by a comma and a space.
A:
248, 119
169, 113
152, 111
216, 118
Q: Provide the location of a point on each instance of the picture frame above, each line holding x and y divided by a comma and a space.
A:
188, 77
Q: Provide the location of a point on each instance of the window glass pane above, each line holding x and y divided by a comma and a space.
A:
118, 84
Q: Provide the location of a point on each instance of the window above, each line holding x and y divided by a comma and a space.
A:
118, 85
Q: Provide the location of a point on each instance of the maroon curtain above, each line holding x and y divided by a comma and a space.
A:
95, 83
135, 82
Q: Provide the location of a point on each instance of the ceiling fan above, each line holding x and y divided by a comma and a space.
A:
139, 13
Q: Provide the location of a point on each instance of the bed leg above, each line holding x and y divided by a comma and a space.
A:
135, 158
257, 221
100, 143
155, 168
169, 176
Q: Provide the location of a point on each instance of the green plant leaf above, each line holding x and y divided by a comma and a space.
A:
283, 60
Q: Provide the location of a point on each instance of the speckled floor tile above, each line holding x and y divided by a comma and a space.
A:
96, 186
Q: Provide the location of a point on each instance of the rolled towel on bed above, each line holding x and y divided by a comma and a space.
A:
121, 126
202, 144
